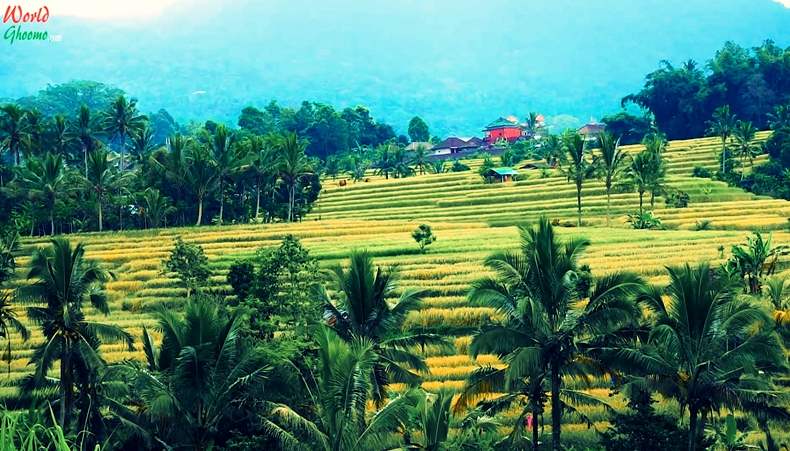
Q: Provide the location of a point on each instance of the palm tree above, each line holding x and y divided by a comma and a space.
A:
32, 141
722, 125
155, 208
400, 162
579, 167
385, 164
339, 392
44, 181
706, 347
194, 378
142, 143
432, 418
532, 123
264, 165
63, 280
200, 174
362, 310
613, 163
745, 149
551, 149
293, 166
226, 160
86, 130
120, 121
420, 158
549, 330
102, 178
8, 322
61, 135
14, 128
655, 145
438, 166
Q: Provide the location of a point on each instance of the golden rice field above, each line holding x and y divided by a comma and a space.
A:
471, 220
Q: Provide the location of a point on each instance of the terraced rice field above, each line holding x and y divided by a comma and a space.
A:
379, 215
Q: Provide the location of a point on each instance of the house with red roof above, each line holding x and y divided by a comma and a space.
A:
504, 128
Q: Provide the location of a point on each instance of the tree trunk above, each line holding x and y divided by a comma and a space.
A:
65, 386
641, 194
579, 202
85, 157
535, 435
556, 409
608, 206
692, 428
52, 223
200, 211
221, 200
258, 199
101, 216
723, 155
123, 151
291, 202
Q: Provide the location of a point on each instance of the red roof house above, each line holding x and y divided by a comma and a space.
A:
507, 129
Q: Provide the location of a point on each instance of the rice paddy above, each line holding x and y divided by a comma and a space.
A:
471, 220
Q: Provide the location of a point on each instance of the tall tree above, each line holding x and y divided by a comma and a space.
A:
155, 208
61, 136
43, 179
418, 130
293, 166
548, 331
362, 309
579, 167
722, 125
420, 158
120, 121
227, 158
385, 163
613, 164
263, 163
745, 148
86, 130
103, 177
200, 174
141, 143
64, 280
14, 128
655, 145
707, 348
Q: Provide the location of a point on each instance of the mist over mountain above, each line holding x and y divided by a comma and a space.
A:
458, 64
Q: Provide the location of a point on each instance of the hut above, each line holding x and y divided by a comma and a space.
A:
500, 174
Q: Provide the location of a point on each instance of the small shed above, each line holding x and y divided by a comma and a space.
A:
500, 174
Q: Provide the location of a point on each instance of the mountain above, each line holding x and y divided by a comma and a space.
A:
457, 63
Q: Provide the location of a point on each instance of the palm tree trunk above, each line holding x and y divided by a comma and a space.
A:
723, 155
221, 200
65, 386
579, 202
200, 211
291, 202
692, 428
52, 223
608, 205
85, 157
101, 216
556, 409
258, 198
641, 194
535, 435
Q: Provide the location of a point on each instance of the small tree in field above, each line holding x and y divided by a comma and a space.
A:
424, 236
190, 265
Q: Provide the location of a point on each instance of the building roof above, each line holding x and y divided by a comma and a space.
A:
536, 165
501, 123
501, 171
591, 128
453, 142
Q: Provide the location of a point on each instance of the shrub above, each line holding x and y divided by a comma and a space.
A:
458, 167
241, 276
677, 199
642, 429
701, 171
190, 264
703, 224
424, 236
645, 220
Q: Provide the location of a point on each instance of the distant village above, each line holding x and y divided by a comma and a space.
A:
497, 134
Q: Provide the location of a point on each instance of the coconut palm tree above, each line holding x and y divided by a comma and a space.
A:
613, 164
120, 121
63, 280
293, 166
361, 309
385, 163
549, 331
745, 148
43, 179
419, 158
227, 159
722, 125
33, 140
655, 145
339, 391
432, 420
103, 177
551, 149
155, 208
579, 167
200, 174
141, 143
263, 163
193, 379
707, 347
61, 134
14, 128
86, 131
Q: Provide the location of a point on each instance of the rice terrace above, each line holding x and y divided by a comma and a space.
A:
311, 276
